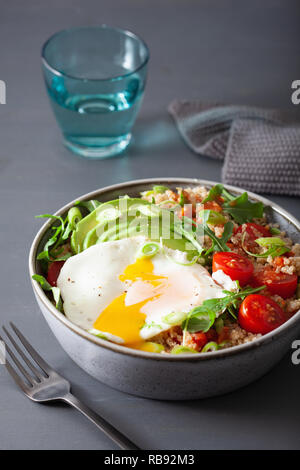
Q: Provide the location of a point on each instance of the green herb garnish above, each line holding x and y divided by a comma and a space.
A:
202, 318
275, 247
182, 199
239, 207
55, 240
48, 288
218, 243
89, 205
214, 193
242, 210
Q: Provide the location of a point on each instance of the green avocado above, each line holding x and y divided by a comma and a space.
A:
106, 212
127, 217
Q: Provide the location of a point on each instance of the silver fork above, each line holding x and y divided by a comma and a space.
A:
43, 384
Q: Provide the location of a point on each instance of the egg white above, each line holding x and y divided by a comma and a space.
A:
89, 282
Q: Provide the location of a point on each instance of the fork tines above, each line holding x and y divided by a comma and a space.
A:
37, 374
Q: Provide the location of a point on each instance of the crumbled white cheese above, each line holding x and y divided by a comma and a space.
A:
225, 281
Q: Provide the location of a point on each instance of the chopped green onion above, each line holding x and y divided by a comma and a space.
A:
146, 193
275, 247
275, 231
169, 201
214, 218
98, 333
148, 250
211, 346
174, 318
74, 216
270, 241
189, 263
160, 189
224, 344
89, 205
155, 347
182, 350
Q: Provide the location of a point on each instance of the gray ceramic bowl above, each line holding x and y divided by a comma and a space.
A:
167, 377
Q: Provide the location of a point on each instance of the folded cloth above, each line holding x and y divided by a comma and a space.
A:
260, 147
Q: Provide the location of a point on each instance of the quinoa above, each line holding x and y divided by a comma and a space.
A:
239, 336
170, 338
288, 264
230, 333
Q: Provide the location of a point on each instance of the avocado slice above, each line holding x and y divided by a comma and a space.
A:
106, 212
128, 217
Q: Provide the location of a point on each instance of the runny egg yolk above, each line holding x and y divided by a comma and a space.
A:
124, 320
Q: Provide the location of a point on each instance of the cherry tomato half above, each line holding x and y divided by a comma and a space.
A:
199, 339
260, 314
281, 284
53, 272
252, 232
237, 267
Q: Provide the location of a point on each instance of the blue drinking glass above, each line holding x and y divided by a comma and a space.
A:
95, 78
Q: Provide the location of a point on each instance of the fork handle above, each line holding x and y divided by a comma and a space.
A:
122, 441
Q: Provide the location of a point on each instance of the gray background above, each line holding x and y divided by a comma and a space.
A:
234, 51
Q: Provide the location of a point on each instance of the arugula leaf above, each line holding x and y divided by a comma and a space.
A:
202, 318
55, 240
218, 243
227, 195
214, 193
62, 232
242, 210
189, 230
48, 288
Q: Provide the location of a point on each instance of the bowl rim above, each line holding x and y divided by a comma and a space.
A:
42, 297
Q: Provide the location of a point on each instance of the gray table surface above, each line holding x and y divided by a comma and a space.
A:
234, 51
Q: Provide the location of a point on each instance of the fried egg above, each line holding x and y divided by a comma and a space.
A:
109, 289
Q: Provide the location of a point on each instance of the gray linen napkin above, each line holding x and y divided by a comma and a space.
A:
260, 147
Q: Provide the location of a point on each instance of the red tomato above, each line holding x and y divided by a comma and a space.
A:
237, 267
53, 272
224, 334
211, 335
260, 314
212, 205
252, 232
199, 339
281, 284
